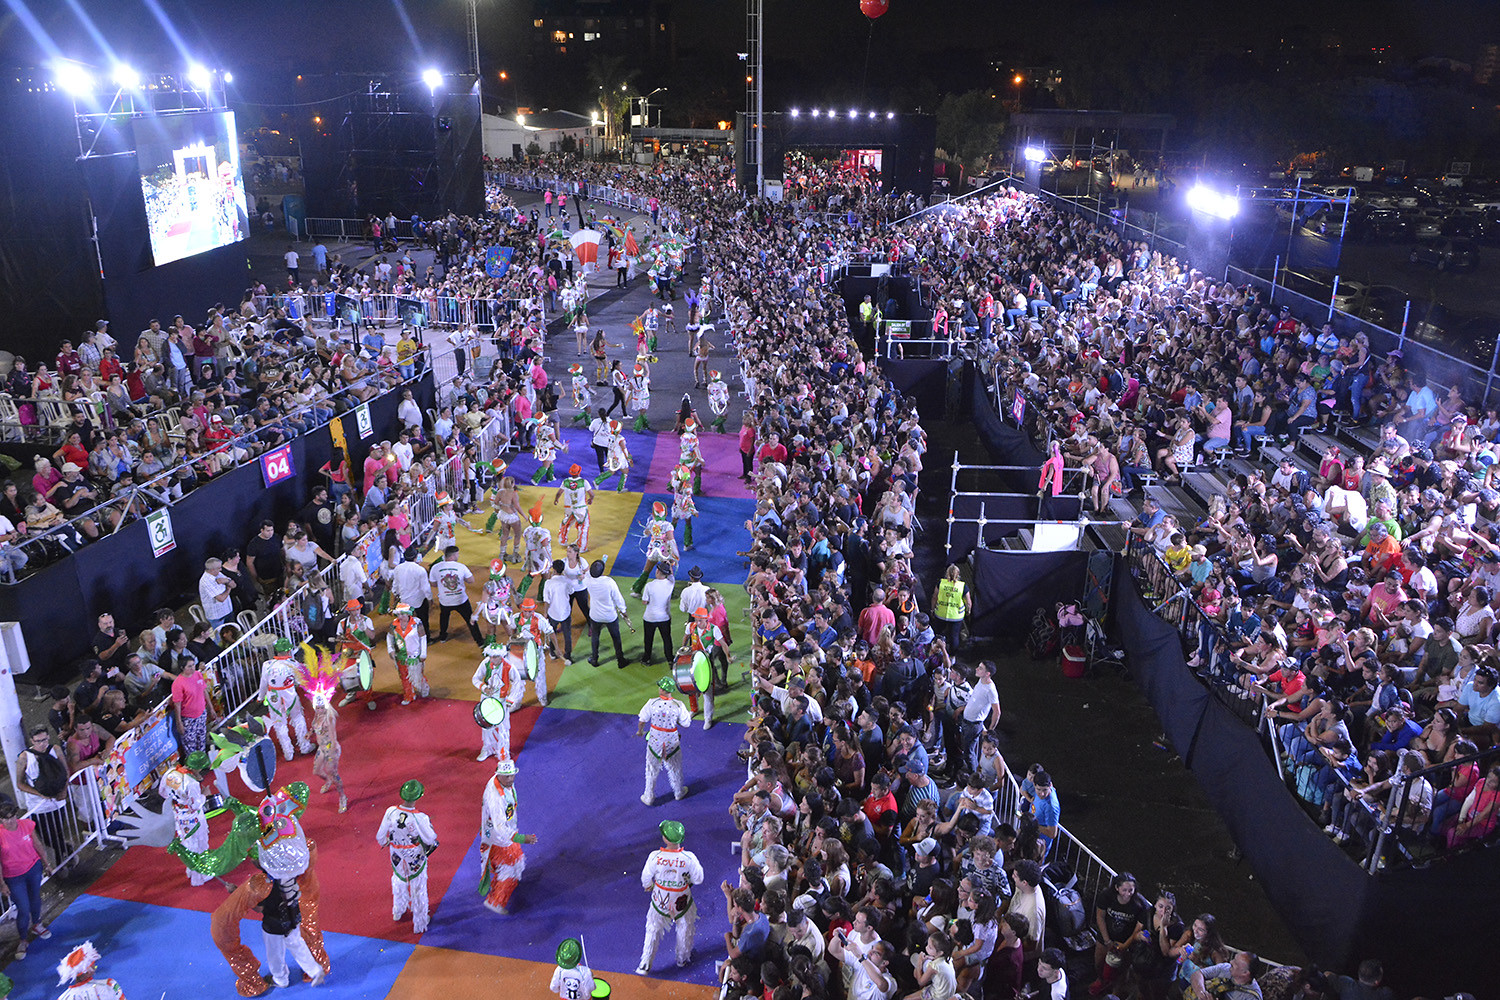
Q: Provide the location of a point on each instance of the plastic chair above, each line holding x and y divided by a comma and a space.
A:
246, 620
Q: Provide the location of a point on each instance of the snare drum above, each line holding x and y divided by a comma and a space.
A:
532, 660
366, 670
601, 989
489, 712
703, 671
682, 673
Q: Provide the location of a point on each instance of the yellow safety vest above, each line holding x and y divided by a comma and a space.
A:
950, 600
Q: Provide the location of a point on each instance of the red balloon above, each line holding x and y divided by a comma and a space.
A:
874, 8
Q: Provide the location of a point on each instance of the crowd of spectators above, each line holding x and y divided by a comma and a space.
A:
1358, 597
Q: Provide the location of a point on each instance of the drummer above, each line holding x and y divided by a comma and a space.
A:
354, 640
699, 644
501, 684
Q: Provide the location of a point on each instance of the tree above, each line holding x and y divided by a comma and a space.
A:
611, 82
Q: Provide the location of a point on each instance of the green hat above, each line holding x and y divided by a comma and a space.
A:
673, 831
281, 645
411, 791
667, 684
196, 761
569, 953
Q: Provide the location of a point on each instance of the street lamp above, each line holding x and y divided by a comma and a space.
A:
646, 106
432, 78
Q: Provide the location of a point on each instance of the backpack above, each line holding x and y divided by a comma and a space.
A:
1069, 919
51, 775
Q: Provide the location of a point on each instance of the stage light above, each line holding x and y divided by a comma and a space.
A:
872, 116
199, 76
432, 78
853, 112
125, 77
1210, 202
1034, 154
832, 113
890, 115
73, 79
228, 76
817, 113
796, 113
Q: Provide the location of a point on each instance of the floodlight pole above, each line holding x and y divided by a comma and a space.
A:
756, 91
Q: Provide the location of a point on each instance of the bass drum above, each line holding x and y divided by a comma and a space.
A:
682, 673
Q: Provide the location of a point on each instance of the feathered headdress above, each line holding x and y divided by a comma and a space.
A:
78, 962
535, 513
318, 676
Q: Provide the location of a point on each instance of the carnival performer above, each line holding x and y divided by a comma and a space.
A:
618, 461
579, 494
406, 641
583, 394
718, 400
661, 545
508, 511
444, 521
690, 454
183, 791
499, 839
538, 548
664, 715
572, 979
650, 324
494, 603
640, 395
320, 679
284, 855
533, 626
703, 636
544, 449
76, 972
500, 676
669, 876
683, 507
354, 641
278, 689
408, 832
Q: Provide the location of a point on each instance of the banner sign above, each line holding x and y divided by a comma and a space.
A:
277, 465
497, 261
159, 524
362, 420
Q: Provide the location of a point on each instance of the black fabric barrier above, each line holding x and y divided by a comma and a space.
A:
1007, 444
58, 607
1002, 507
1010, 586
924, 381
1338, 912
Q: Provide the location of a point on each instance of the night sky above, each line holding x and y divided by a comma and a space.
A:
818, 46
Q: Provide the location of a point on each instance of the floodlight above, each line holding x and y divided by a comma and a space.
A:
796, 113
853, 112
872, 116
1034, 154
889, 115
73, 79
199, 76
228, 76
1210, 202
817, 113
832, 113
125, 77
432, 78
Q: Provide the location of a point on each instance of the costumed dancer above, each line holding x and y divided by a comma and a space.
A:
406, 641
508, 509
501, 676
320, 679
544, 449
703, 636
683, 507
669, 875
538, 548
583, 394
492, 495
183, 791
718, 400
640, 395
661, 545
499, 839
408, 832
354, 641
579, 494
278, 689
444, 521
572, 979
664, 715
76, 972
494, 603
533, 626
617, 459
284, 855
690, 454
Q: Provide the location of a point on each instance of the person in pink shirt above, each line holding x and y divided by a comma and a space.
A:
874, 619
538, 375
22, 864
523, 419
191, 709
374, 465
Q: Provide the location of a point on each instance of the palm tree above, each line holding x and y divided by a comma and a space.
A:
611, 80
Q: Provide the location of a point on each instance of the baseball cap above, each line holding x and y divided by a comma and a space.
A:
926, 846
913, 765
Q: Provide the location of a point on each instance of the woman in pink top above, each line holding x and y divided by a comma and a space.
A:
22, 864
747, 444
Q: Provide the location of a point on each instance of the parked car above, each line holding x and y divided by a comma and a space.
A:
1426, 224
1385, 306
1469, 339
1351, 296
1446, 254
1381, 225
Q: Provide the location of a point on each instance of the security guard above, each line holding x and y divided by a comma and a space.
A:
950, 603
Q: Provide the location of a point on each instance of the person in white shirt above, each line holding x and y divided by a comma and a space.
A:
451, 578
695, 594
409, 412
658, 615
864, 967
557, 599
411, 585
214, 589
981, 713
1049, 969
353, 574
403, 451
606, 608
